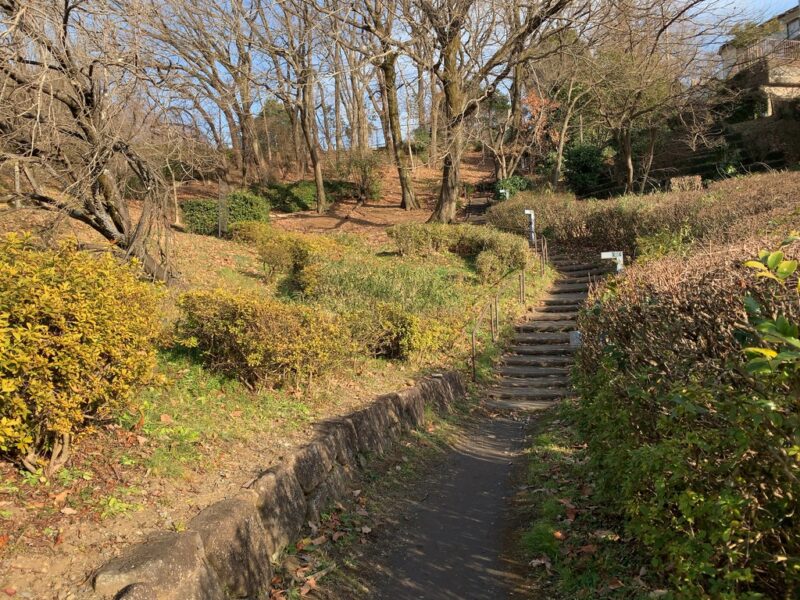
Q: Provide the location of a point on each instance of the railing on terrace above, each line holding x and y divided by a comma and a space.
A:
781, 50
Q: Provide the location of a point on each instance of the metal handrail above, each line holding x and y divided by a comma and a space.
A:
493, 305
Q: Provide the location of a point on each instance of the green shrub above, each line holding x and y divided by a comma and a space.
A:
387, 330
510, 252
695, 447
259, 341
583, 167
201, 214
302, 195
512, 185
77, 336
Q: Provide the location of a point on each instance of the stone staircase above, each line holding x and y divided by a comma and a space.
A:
536, 368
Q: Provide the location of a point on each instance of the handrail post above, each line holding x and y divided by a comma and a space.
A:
491, 321
474, 372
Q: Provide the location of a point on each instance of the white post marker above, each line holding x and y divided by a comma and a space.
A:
575, 339
504, 193
616, 256
532, 226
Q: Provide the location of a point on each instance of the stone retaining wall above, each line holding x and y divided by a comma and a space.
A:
226, 550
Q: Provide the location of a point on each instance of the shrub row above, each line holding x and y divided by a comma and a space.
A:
202, 214
262, 342
495, 252
696, 450
726, 211
510, 186
302, 195
77, 336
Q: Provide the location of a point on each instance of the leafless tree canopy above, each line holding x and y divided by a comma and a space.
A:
101, 95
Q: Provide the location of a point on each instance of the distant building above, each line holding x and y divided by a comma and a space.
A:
770, 65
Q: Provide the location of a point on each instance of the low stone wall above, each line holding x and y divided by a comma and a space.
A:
226, 550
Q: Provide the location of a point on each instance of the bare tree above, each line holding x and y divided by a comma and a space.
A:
73, 112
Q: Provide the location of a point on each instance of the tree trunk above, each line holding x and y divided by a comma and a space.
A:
307, 122
433, 148
388, 67
627, 158
562, 141
445, 211
651, 150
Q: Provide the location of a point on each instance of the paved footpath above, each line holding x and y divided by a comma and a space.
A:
452, 543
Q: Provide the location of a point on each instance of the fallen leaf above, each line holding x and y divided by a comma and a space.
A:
571, 514
338, 535
236, 414
559, 535
10, 591
165, 418
587, 549
309, 586
541, 562
141, 439
566, 502
61, 498
356, 493
3, 541
362, 512
320, 540
606, 534
68, 511
615, 584
365, 529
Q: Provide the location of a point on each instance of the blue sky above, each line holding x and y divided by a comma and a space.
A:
766, 8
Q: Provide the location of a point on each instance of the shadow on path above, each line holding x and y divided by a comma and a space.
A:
454, 538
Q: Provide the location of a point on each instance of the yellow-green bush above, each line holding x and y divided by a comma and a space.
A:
287, 251
508, 252
387, 330
77, 335
262, 342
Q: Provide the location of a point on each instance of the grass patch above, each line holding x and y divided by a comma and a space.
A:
192, 409
574, 549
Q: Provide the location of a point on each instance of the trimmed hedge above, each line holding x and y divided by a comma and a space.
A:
697, 449
201, 214
261, 342
508, 252
77, 336
726, 212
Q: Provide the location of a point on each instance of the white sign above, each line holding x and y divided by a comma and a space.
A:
616, 256
532, 225
504, 193
575, 339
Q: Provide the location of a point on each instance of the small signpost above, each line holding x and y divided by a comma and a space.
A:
505, 194
616, 256
575, 339
531, 226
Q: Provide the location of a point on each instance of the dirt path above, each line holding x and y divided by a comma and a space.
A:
455, 536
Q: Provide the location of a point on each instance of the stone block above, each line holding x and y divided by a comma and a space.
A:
236, 545
282, 506
311, 464
410, 404
174, 564
341, 438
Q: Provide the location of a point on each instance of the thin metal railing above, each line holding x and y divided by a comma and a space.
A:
493, 306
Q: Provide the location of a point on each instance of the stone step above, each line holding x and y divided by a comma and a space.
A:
581, 279
575, 267
559, 310
586, 273
569, 288
524, 360
527, 405
533, 372
548, 325
572, 299
540, 315
535, 383
544, 337
528, 393
542, 350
